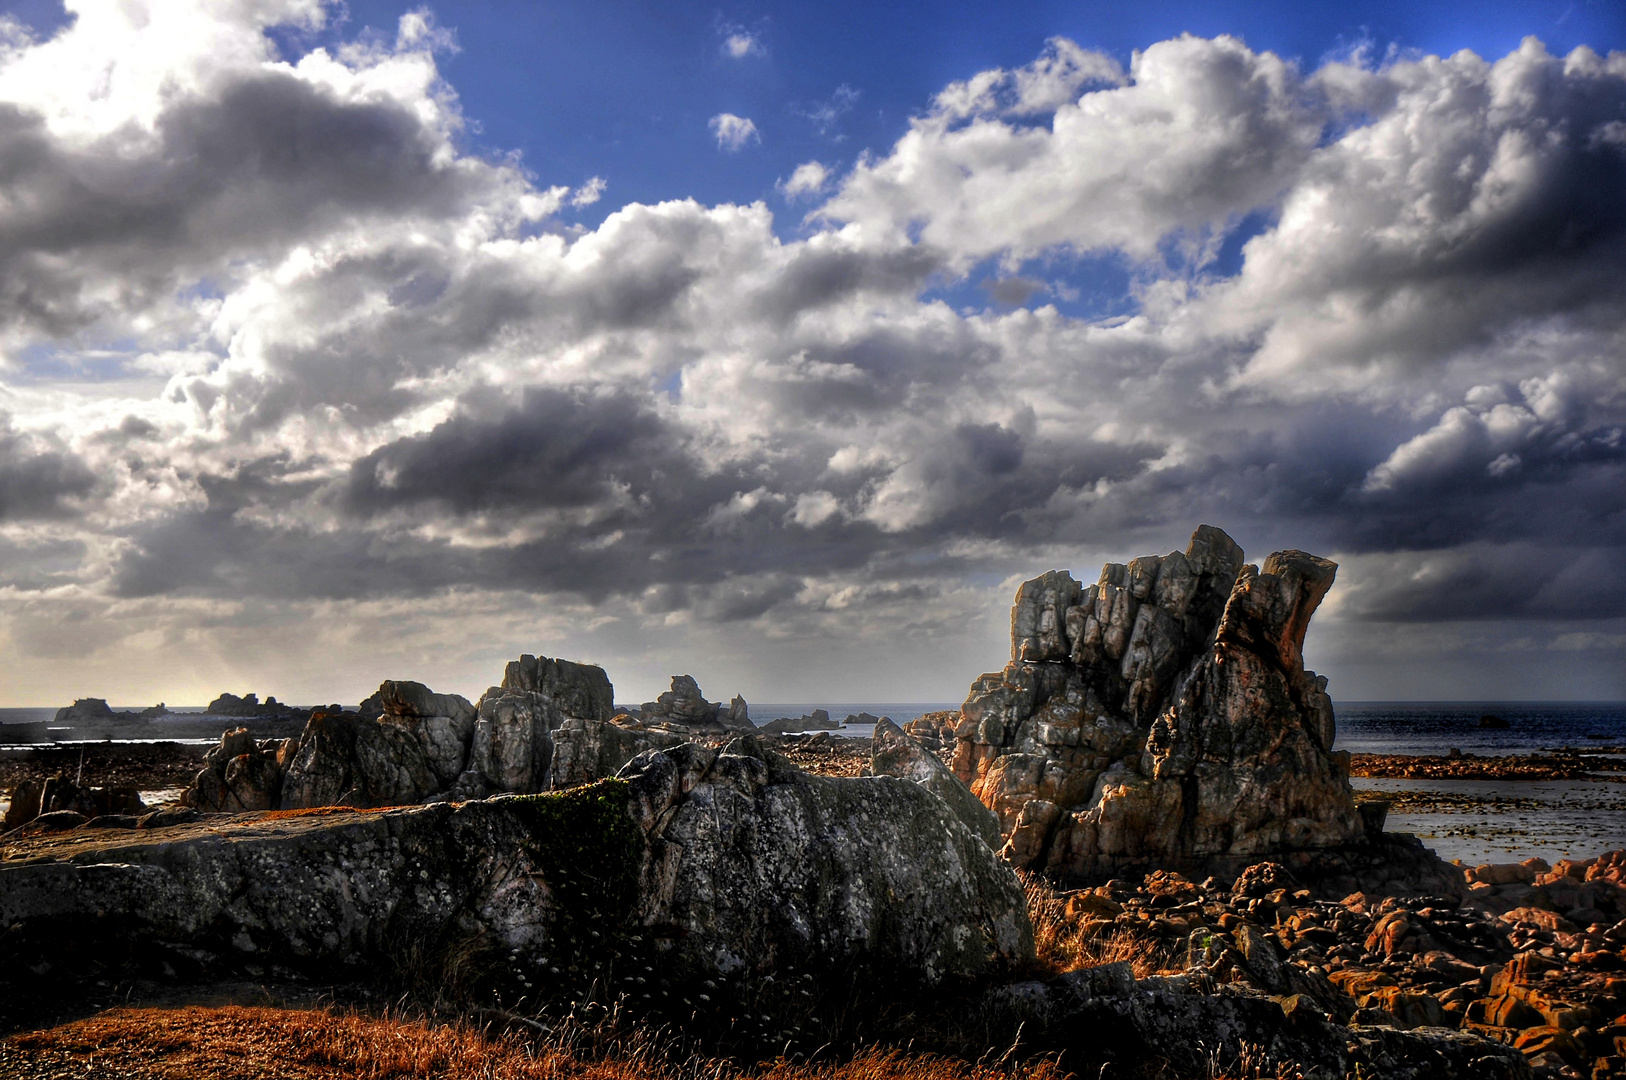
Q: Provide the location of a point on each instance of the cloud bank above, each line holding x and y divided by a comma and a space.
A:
296, 389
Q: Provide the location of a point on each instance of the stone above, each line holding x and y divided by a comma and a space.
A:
817, 720
589, 750
894, 753
512, 747
442, 724
1163, 717
761, 868
24, 806
579, 690
708, 865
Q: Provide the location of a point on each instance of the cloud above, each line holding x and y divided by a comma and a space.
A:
826, 114
808, 178
39, 480
589, 193
733, 132
277, 347
740, 43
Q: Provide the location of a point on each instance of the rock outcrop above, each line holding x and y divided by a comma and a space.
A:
249, 706
708, 864
895, 753
817, 720
546, 726
1160, 716
684, 706
95, 712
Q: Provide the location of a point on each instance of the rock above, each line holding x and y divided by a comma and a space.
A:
721, 865
59, 794
1164, 718
419, 746
443, 724
579, 690
817, 720
512, 747
684, 706
934, 731
589, 750
24, 806
758, 868
85, 711
323, 768
896, 754
1491, 721
250, 706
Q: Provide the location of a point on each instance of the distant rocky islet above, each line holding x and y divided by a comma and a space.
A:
1154, 750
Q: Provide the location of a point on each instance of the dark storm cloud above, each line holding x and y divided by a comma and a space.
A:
267, 161
39, 482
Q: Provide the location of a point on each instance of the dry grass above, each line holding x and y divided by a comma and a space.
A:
1064, 944
242, 1042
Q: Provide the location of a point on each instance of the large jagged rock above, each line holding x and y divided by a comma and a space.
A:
579, 690
895, 753
1162, 715
712, 864
759, 868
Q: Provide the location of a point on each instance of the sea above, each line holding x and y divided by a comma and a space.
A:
1472, 820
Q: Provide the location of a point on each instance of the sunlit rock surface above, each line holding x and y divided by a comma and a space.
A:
1161, 715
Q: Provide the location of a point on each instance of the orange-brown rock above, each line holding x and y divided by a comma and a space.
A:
1160, 716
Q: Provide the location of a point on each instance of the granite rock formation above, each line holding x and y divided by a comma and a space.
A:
684, 706
1161, 715
713, 864
895, 753
546, 726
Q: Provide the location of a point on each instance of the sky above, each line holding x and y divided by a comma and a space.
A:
778, 343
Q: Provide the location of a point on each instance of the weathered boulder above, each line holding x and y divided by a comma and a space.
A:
1162, 715
442, 724
59, 794
894, 753
512, 747
731, 863
24, 805
579, 690
239, 775
422, 746
759, 868
251, 707
589, 750
85, 711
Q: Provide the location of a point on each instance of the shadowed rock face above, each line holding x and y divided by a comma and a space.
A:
709, 864
1161, 715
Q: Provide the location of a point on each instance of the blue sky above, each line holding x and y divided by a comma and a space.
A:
625, 89
777, 343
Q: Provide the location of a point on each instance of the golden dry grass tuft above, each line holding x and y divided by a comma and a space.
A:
200, 1043
1068, 944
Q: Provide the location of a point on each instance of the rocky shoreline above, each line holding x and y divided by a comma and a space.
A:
1135, 847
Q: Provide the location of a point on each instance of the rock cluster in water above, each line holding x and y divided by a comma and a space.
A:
685, 707
1160, 717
